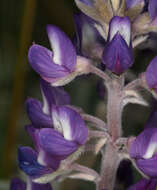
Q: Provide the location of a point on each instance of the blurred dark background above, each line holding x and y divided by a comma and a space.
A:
23, 22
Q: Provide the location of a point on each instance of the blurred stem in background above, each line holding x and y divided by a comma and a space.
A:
18, 87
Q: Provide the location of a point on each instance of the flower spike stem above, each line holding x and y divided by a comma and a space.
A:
109, 166
114, 108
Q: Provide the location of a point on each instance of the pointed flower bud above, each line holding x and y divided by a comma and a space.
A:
56, 64
144, 184
151, 74
117, 55
143, 150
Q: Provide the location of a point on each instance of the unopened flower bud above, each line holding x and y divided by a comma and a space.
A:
117, 55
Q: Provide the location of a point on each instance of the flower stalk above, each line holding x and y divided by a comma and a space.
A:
106, 37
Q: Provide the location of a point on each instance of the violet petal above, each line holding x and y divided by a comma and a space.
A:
151, 71
49, 160
144, 146
152, 9
152, 120
122, 26
34, 133
117, 56
63, 49
133, 3
70, 123
36, 115
54, 144
27, 159
36, 186
148, 166
41, 60
53, 95
144, 184
17, 184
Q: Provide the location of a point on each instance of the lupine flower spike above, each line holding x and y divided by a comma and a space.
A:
107, 33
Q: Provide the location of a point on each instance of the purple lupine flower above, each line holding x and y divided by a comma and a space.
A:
39, 113
151, 74
17, 184
133, 3
88, 40
52, 145
152, 9
54, 65
117, 55
143, 150
144, 184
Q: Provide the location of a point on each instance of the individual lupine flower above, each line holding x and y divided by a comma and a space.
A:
143, 150
59, 66
151, 75
144, 184
88, 40
117, 55
52, 145
40, 113
17, 184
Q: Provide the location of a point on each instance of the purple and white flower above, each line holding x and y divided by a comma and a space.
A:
67, 134
117, 55
54, 65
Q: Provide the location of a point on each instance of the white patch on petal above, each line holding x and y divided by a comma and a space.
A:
29, 184
41, 156
62, 124
152, 148
66, 127
45, 107
123, 28
56, 49
56, 122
